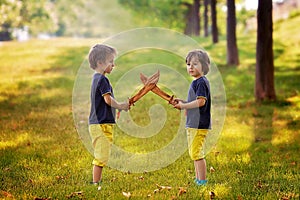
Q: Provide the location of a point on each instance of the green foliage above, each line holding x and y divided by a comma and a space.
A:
9, 18
170, 14
294, 13
166, 13
90, 18
243, 15
9, 12
99, 18
64, 17
17, 14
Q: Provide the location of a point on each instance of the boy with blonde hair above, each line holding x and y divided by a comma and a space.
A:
103, 105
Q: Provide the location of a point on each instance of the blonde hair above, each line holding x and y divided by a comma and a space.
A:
99, 53
202, 57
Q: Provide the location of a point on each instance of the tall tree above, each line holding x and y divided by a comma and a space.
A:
264, 84
214, 27
232, 50
193, 18
205, 16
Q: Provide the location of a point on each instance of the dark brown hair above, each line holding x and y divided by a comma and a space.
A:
202, 57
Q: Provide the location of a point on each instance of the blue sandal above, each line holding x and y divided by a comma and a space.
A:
200, 182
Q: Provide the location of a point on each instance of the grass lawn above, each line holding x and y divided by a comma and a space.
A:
43, 157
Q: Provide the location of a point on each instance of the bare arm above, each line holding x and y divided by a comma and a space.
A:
113, 103
193, 104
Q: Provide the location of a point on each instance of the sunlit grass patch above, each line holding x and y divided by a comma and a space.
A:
283, 137
14, 142
42, 155
237, 131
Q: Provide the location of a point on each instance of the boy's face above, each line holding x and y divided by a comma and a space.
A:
194, 67
108, 65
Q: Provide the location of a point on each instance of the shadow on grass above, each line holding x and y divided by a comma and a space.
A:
43, 93
268, 167
68, 60
53, 88
37, 131
273, 152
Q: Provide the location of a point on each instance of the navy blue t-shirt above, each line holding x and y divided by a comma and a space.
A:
101, 112
199, 118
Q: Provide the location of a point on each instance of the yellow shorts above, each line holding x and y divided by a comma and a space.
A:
102, 137
196, 138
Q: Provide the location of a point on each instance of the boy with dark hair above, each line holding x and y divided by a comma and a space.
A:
198, 107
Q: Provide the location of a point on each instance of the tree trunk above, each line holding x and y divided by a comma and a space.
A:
205, 15
264, 84
193, 19
232, 50
5, 35
214, 27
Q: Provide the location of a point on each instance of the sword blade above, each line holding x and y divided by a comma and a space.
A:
141, 93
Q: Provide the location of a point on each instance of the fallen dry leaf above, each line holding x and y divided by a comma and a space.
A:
61, 177
289, 196
113, 179
239, 172
212, 170
74, 194
259, 184
30, 181
6, 169
182, 190
7, 194
293, 163
126, 194
162, 187
156, 190
284, 198
212, 195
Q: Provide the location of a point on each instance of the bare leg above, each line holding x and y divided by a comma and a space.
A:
200, 169
196, 169
97, 173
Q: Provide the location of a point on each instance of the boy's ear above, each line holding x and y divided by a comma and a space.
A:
99, 63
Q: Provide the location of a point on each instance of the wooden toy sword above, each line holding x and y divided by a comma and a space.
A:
150, 84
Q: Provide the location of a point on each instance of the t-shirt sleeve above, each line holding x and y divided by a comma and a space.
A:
104, 87
201, 91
